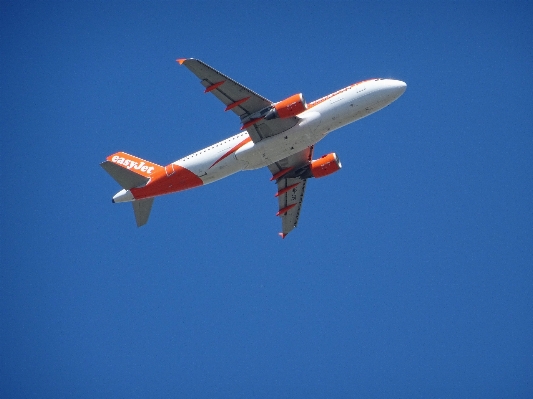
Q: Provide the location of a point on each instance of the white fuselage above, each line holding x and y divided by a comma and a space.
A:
322, 117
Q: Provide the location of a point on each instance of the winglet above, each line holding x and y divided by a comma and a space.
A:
282, 235
181, 60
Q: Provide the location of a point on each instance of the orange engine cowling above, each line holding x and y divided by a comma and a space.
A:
288, 108
326, 165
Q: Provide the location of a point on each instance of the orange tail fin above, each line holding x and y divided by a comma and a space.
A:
137, 165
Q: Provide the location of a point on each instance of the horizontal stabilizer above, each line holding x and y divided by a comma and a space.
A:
142, 209
125, 177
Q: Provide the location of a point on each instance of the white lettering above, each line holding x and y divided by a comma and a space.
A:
128, 163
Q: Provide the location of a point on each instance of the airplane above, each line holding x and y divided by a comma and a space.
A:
279, 135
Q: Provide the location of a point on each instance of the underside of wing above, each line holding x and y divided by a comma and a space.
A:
125, 177
291, 187
290, 203
226, 89
248, 105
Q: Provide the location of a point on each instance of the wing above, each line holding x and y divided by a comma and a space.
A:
291, 187
247, 104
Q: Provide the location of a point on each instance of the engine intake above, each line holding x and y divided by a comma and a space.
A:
325, 165
288, 108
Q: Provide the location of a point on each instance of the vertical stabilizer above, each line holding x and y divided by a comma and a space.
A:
142, 209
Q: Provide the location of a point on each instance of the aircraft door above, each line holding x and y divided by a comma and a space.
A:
169, 169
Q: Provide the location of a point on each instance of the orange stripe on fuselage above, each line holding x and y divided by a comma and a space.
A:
163, 182
242, 143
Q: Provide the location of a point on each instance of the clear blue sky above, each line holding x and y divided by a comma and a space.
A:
409, 275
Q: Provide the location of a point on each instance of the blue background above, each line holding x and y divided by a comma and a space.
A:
409, 275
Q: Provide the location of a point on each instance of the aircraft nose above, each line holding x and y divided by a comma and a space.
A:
394, 88
399, 86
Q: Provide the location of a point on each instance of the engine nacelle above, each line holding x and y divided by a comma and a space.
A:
326, 165
288, 108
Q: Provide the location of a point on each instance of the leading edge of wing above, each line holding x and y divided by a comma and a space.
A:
225, 88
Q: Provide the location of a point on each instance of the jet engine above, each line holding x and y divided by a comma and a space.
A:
325, 165
287, 108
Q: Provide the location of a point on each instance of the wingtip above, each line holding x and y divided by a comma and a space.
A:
181, 60
282, 235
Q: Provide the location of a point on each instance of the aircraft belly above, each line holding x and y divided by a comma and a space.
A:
274, 148
224, 168
211, 169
